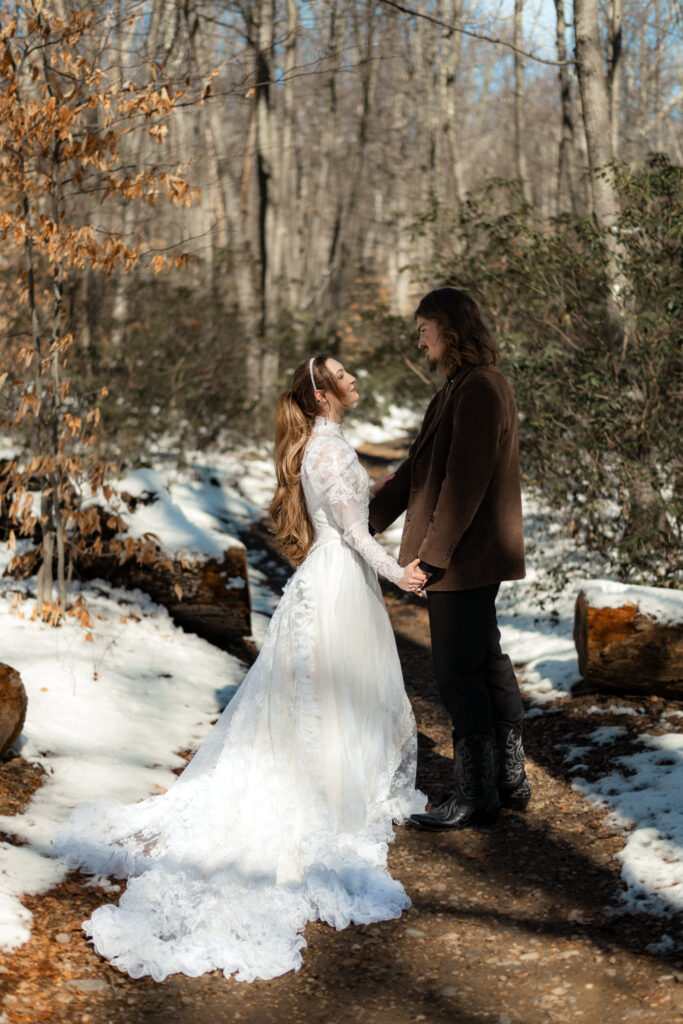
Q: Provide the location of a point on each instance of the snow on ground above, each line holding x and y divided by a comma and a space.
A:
646, 803
397, 422
183, 526
664, 605
108, 710
111, 705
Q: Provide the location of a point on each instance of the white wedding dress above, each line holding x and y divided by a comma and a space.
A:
284, 813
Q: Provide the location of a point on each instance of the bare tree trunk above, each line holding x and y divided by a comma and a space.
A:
450, 171
348, 240
520, 132
596, 120
615, 18
320, 227
124, 49
210, 124
266, 149
288, 242
57, 478
566, 169
259, 208
425, 79
44, 576
119, 309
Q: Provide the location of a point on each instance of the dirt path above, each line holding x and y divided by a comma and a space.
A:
508, 924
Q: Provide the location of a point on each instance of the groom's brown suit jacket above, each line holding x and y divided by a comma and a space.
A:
460, 486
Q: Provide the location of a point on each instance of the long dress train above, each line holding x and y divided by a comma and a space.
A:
284, 814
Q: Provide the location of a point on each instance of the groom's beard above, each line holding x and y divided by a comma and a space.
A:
433, 364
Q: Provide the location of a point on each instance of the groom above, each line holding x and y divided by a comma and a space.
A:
460, 486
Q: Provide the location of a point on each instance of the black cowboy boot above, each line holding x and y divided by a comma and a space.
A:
513, 785
475, 800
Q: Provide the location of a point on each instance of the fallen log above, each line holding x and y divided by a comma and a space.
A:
206, 596
147, 543
391, 451
630, 639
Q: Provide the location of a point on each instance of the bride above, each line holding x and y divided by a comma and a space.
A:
284, 814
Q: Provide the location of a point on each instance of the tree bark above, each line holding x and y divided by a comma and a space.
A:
319, 225
520, 129
260, 189
450, 172
348, 237
210, 126
566, 161
615, 19
596, 121
288, 240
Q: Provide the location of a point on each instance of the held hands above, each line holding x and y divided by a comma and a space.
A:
379, 484
413, 579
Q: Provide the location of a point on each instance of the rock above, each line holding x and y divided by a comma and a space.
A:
13, 704
630, 639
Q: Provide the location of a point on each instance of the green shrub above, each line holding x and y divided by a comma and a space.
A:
600, 429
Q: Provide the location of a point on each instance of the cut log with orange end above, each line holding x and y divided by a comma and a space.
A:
626, 649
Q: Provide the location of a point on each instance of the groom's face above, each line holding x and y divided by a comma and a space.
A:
430, 341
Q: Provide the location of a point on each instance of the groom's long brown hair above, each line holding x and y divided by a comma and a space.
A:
468, 339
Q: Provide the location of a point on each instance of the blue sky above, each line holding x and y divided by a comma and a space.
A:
539, 22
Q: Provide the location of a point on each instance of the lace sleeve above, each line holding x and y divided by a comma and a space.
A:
332, 470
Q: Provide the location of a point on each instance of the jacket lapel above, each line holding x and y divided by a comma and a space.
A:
448, 389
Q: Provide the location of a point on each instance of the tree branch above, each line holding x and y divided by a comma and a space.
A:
474, 35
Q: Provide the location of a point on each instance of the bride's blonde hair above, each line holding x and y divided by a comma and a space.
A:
294, 418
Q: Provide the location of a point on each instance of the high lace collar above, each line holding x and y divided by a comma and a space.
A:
322, 425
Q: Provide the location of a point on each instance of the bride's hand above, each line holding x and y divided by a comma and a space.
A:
379, 484
413, 579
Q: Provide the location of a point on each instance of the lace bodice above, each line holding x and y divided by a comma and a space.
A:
337, 491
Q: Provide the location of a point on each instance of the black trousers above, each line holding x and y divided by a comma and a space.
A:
476, 681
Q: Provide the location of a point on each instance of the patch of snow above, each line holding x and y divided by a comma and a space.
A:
664, 605
614, 709
646, 802
183, 522
575, 753
108, 710
606, 734
395, 423
665, 945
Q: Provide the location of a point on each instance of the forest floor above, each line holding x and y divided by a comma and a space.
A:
511, 923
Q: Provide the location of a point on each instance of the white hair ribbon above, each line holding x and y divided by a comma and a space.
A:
310, 370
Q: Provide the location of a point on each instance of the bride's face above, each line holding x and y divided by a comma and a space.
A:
346, 383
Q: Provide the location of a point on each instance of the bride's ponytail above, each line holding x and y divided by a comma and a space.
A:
294, 417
